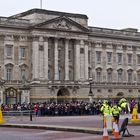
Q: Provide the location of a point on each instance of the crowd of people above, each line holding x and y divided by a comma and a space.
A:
63, 109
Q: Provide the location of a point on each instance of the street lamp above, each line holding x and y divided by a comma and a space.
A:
90, 91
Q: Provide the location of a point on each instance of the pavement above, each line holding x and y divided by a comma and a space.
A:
79, 124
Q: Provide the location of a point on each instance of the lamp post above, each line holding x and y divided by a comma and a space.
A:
90, 91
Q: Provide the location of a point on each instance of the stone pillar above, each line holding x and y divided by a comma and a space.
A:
25, 96
134, 63
86, 61
125, 62
46, 58
103, 62
114, 63
77, 61
82, 60
35, 48
66, 59
56, 59
1, 97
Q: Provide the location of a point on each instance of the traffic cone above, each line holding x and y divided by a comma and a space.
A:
1, 117
105, 132
135, 118
116, 133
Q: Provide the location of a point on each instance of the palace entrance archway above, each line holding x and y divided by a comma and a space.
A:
63, 95
12, 96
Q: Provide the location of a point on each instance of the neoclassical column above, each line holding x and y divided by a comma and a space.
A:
46, 58
86, 61
103, 61
77, 61
35, 47
1, 97
82, 60
66, 59
124, 63
56, 59
114, 63
134, 63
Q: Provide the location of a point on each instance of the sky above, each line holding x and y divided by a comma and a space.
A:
113, 14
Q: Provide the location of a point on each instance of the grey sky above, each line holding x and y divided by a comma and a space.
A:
116, 14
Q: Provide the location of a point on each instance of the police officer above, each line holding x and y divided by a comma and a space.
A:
124, 105
116, 110
106, 109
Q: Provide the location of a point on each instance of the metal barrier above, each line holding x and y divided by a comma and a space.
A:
29, 113
18, 113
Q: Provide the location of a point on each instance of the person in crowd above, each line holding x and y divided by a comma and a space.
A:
124, 105
116, 110
36, 109
106, 109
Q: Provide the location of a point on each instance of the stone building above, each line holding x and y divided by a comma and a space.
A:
55, 56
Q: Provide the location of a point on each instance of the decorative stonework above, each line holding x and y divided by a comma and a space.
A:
62, 24
16, 37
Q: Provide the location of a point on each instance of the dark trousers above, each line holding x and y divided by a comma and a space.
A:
116, 118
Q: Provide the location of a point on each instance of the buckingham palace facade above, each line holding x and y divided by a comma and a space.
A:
55, 56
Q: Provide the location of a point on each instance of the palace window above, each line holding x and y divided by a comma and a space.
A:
98, 75
82, 50
9, 50
59, 53
120, 75
89, 72
49, 53
138, 77
70, 54
22, 52
23, 75
109, 57
70, 75
138, 59
129, 59
129, 76
109, 75
41, 48
9, 72
98, 56
119, 58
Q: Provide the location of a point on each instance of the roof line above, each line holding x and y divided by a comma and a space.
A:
48, 12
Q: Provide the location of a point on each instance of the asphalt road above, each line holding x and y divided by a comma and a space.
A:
29, 134
78, 121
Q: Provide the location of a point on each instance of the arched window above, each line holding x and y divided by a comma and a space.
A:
89, 72
129, 73
98, 74
120, 75
109, 75
9, 72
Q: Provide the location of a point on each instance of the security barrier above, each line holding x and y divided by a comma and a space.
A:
18, 113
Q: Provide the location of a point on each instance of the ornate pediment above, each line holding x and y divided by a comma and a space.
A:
62, 23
